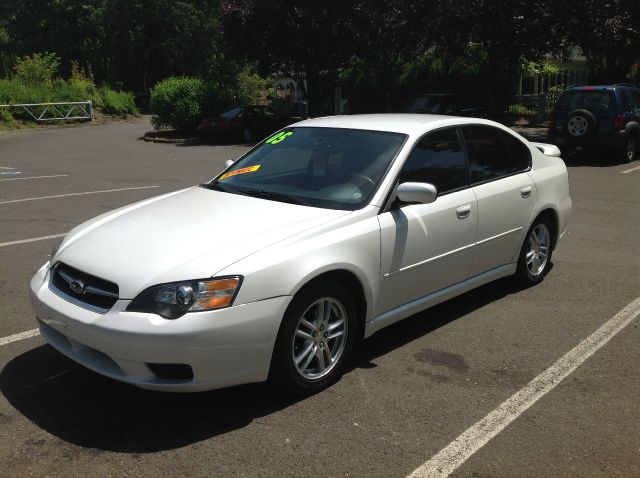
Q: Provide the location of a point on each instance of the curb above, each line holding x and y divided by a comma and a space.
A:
151, 137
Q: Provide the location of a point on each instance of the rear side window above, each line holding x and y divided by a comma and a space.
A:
592, 100
493, 153
519, 151
437, 159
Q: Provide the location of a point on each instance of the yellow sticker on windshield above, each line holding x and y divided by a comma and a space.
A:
249, 169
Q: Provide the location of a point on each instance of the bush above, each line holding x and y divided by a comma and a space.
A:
118, 103
12, 91
178, 103
553, 95
37, 69
519, 110
6, 116
251, 86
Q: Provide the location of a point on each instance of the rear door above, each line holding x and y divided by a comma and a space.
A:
506, 194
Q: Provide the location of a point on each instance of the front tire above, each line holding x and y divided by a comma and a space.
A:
535, 256
316, 338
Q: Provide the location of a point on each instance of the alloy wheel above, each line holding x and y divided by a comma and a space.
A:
320, 338
538, 250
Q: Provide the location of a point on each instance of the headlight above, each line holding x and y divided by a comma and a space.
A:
54, 251
175, 299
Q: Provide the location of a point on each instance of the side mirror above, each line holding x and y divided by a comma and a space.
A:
228, 163
423, 193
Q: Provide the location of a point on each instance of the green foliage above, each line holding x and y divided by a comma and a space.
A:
251, 86
34, 82
5, 116
177, 102
118, 103
553, 95
531, 68
37, 69
519, 110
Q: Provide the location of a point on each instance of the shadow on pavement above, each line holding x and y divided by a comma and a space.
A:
593, 158
89, 410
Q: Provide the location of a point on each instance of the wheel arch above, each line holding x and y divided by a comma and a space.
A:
554, 217
351, 282
633, 128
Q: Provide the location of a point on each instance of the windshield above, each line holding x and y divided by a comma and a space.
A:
333, 168
592, 100
231, 113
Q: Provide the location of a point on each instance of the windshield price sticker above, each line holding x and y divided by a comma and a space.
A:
249, 169
276, 138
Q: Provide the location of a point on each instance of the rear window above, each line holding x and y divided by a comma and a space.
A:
592, 100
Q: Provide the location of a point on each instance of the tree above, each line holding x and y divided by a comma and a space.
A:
303, 39
507, 31
608, 33
131, 43
385, 34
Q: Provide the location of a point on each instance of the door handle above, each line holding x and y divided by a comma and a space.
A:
463, 211
525, 192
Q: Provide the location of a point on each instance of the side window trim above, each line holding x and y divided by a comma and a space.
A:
387, 203
479, 183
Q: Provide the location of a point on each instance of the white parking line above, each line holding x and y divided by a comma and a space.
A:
6, 167
462, 448
630, 170
77, 194
20, 336
37, 177
32, 239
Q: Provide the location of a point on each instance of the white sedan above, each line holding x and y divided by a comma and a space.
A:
326, 232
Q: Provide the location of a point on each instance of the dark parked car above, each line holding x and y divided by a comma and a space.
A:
443, 104
605, 116
247, 123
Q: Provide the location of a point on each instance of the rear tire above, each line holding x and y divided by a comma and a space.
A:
316, 338
535, 256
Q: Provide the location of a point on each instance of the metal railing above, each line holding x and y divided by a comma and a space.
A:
65, 111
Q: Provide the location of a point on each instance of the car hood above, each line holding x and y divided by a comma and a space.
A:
189, 234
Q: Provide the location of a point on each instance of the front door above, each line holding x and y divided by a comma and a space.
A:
427, 247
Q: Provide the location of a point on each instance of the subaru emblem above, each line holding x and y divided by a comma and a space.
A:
77, 286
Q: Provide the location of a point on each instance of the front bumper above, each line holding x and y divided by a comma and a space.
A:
223, 347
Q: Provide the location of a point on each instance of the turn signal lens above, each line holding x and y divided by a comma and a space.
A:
214, 294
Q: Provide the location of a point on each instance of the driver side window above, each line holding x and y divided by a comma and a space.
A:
437, 159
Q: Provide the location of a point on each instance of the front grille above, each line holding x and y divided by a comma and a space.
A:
83, 289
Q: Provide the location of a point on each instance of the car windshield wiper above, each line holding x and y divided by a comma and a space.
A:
260, 193
216, 187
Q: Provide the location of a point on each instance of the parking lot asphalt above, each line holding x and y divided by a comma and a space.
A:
412, 390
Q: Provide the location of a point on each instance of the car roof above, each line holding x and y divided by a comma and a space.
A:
600, 87
407, 123
393, 122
